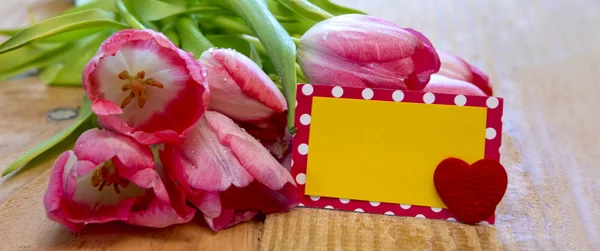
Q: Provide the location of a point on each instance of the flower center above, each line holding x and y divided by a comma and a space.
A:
107, 175
137, 85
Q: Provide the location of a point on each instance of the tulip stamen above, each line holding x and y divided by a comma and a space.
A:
107, 175
137, 85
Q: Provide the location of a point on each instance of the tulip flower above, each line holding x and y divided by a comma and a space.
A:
242, 91
442, 84
140, 84
111, 177
363, 51
227, 174
457, 68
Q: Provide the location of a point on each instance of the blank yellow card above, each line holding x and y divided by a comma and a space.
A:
388, 151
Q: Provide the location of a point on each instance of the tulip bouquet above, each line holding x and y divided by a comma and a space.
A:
189, 104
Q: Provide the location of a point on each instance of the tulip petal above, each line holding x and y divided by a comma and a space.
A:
442, 84
228, 174
365, 51
457, 68
154, 113
129, 188
242, 91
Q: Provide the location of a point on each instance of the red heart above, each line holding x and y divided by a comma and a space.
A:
471, 192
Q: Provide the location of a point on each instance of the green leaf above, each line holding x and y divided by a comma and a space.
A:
171, 33
71, 36
231, 24
282, 13
334, 8
84, 121
192, 39
106, 5
153, 10
26, 54
277, 43
298, 28
54, 26
10, 32
130, 19
76, 59
237, 43
306, 9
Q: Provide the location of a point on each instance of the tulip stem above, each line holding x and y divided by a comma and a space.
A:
278, 44
306, 9
192, 39
296, 40
129, 19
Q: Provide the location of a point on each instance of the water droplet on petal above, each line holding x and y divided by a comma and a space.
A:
325, 36
225, 79
211, 50
80, 144
193, 150
203, 73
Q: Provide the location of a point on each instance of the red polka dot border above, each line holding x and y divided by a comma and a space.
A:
301, 146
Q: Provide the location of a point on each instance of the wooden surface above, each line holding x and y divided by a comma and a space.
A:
543, 58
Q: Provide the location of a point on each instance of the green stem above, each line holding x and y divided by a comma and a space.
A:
232, 25
300, 74
191, 38
306, 9
296, 40
277, 42
128, 17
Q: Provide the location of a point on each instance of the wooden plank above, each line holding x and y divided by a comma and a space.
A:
23, 222
319, 229
545, 66
542, 57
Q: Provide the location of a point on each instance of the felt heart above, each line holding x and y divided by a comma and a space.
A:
471, 192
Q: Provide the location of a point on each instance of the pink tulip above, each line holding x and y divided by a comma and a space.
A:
364, 51
457, 68
242, 91
442, 84
142, 85
111, 177
227, 174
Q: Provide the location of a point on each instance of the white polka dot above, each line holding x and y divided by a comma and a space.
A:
315, 198
460, 100
359, 210
420, 216
296, 104
328, 207
428, 98
305, 119
367, 93
389, 213
502, 119
374, 203
344, 201
451, 219
301, 178
292, 163
436, 209
303, 149
403, 206
490, 133
492, 102
398, 95
337, 91
307, 89
300, 204
484, 223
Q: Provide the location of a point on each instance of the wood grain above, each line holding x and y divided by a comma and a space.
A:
543, 58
